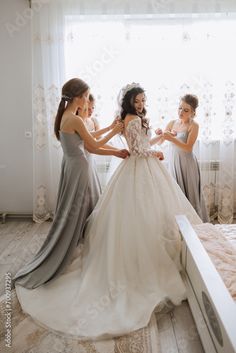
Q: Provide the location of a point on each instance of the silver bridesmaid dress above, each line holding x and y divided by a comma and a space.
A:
184, 168
78, 193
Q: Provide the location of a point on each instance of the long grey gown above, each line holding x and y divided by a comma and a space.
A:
90, 158
185, 169
78, 193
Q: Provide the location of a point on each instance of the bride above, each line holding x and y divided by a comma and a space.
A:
129, 264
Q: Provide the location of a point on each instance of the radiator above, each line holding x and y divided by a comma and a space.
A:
212, 166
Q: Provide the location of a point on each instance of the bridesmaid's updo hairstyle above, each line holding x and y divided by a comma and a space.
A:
71, 89
191, 100
127, 105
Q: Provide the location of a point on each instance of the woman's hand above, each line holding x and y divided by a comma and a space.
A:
167, 135
119, 127
113, 124
159, 155
121, 153
158, 132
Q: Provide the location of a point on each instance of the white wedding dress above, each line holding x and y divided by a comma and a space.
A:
130, 259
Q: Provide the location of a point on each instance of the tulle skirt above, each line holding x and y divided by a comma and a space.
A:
129, 263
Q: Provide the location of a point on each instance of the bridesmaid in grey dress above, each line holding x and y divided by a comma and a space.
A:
78, 189
183, 164
94, 128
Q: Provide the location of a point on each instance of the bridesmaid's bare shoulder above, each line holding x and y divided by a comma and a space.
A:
70, 121
194, 125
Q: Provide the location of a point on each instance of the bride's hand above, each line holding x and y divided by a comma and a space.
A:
160, 155
158, 132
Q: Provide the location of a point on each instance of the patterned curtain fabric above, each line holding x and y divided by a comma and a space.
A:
48, 76
169, 54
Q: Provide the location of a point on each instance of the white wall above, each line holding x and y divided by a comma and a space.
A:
16, 155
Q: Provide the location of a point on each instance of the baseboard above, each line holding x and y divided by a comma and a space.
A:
14, 215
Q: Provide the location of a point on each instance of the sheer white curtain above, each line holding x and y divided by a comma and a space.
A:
48, 76
169, 57
168, 54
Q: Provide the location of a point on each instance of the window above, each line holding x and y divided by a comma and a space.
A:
168, 57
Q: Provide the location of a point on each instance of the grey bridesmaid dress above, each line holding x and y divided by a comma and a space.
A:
92, 162
78, 193
184, 168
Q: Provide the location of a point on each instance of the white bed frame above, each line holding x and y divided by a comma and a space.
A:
212, 306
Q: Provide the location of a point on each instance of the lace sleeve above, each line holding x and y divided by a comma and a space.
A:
138, 143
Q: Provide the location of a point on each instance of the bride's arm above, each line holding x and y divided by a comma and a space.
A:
159, 139
133, 133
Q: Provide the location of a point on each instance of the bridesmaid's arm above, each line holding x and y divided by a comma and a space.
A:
107, 151
109, 147
78, 125
192, 137
98, 132
159, 139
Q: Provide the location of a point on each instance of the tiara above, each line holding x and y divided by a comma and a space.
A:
128, 88
125, 90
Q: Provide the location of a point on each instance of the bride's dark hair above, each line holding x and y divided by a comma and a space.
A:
127, 106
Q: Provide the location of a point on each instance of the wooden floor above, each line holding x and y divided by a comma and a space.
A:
20, 240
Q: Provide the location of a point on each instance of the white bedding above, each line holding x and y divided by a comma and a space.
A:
220, 244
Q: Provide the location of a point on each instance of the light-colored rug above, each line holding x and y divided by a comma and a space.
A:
28, 337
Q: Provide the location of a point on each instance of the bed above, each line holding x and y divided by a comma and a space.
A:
212, 303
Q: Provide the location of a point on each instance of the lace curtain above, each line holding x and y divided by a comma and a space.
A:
168, 54
48, 76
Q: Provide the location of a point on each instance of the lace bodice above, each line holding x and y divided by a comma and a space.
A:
138, 139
